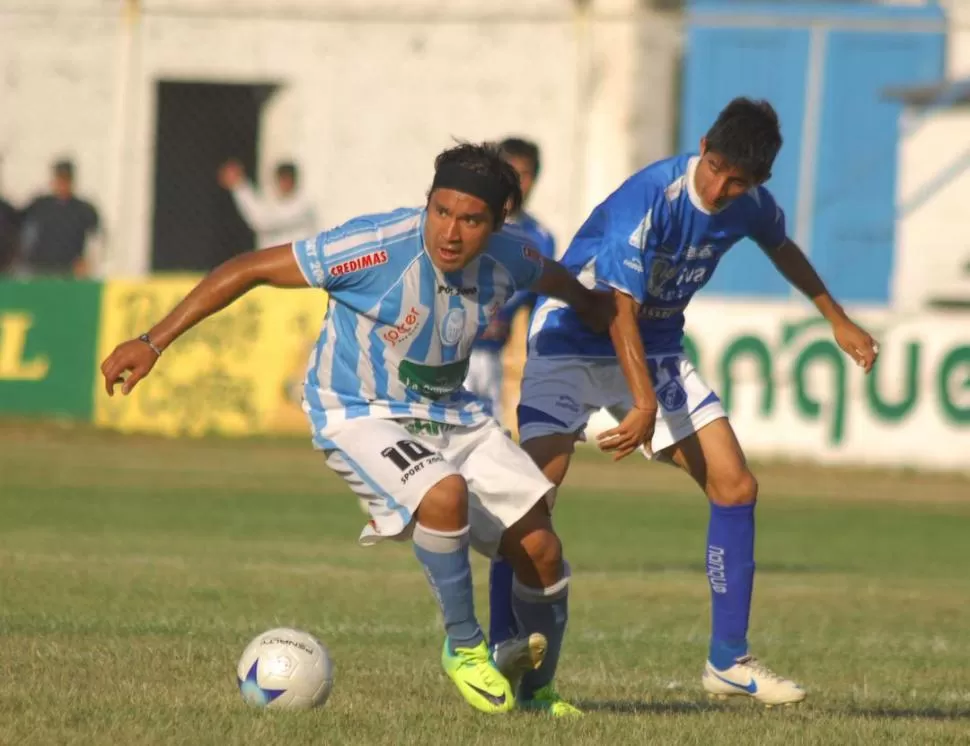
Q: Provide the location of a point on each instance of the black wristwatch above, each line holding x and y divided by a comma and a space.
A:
145, 338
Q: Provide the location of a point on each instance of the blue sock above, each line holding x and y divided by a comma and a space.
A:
544, 610
444, 557
502, 624
730, 570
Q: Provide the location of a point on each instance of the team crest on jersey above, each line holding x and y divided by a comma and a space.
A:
452, 326
662, 271
373, 259
672, 396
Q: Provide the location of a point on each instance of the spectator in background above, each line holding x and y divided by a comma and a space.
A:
485, 365
9, 234
56, 228
285, 217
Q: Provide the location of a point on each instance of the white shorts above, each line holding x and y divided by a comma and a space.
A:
484, 378
391, 465
560, 394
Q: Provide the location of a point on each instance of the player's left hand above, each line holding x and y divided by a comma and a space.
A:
857, 343
636, 430
134, 357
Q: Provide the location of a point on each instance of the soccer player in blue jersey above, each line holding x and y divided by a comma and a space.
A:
655, 242
409, 291
485, 365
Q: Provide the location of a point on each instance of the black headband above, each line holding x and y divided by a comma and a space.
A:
489, 189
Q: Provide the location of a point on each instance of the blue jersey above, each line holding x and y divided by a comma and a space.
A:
544, 242
653, 240
399, 331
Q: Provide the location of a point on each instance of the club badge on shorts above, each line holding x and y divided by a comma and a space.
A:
672, 396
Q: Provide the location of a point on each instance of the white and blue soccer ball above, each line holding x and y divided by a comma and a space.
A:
286, 669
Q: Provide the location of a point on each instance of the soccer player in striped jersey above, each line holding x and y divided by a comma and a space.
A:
409, 291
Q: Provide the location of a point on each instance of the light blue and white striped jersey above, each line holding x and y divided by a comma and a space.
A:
541, 239
399, 331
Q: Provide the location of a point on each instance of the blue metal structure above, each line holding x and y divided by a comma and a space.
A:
825, 68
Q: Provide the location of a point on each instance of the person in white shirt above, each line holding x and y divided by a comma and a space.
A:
281, 218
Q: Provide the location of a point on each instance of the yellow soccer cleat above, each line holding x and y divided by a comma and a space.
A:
547, 700
477, 678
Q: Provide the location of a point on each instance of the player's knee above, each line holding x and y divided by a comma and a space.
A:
740, 489
544, 550
445, 506
534, 550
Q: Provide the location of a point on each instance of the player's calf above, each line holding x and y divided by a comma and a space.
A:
441, 544
540, 599
502, 626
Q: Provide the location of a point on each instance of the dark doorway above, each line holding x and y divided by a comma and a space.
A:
195, 225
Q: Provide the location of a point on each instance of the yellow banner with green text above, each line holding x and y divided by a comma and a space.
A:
239, 372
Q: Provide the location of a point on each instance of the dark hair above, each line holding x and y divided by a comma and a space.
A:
286, 168
518, 147
747, 134
484, 159
64, 167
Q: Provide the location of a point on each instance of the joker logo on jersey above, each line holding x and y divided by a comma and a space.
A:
405, 329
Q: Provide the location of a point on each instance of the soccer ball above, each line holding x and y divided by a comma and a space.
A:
286, 669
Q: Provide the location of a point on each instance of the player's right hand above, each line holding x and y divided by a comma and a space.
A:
133, 357
230, 174
636, 430
496, 331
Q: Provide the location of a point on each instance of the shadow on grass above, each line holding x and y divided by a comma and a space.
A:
635, 707
906, 713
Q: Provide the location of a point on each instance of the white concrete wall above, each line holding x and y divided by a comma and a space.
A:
933, 228
958, 38
932, 233
371, 91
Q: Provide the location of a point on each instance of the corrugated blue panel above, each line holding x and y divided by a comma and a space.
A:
761, 63
854, 226
817, 10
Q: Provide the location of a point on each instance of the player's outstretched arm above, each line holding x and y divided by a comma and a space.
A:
638, 426
855, 341
227, 282
595, 308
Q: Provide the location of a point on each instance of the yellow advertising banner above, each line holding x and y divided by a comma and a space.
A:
240, 372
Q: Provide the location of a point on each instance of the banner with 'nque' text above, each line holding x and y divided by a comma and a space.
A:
791, 392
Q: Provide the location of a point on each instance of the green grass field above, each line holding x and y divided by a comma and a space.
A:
133, 571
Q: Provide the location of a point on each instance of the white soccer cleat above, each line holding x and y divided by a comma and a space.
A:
749, 677
516, 657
